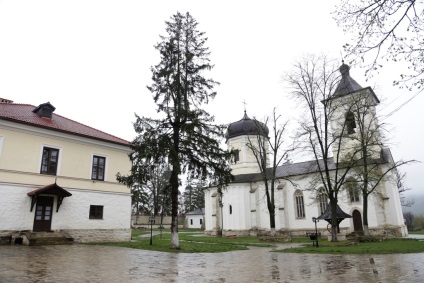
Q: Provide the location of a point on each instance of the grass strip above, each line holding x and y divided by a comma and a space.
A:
388, 246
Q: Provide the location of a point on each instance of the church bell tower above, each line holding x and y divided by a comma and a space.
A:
354, 117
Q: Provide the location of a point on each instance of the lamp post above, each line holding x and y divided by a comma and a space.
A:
151, 220
315, 220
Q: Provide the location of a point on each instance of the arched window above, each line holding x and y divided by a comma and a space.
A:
300, 206
322, 201
352, 189
350, 123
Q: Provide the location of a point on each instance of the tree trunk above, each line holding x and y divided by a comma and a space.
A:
272, 221
175, 244
365, 215
334, 221
271, 210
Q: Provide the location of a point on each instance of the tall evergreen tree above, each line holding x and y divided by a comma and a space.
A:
184, 134
194, 197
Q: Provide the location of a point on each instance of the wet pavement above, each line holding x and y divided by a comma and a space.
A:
86, 263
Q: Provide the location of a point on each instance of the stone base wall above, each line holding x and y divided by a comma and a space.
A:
99, 235
386, 231
389, 231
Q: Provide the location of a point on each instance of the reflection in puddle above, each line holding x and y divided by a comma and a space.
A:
84, 263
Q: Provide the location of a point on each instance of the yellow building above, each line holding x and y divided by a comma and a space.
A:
58, 174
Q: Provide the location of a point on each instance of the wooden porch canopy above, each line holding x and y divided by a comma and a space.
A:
340, 215
52, 189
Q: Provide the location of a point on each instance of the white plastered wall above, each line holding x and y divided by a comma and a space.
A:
73, 213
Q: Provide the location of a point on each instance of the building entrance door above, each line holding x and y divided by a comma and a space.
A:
43, 214
357, 221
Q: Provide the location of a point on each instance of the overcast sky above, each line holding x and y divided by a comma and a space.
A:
92, 59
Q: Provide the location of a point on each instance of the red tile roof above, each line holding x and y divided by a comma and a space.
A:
23, 113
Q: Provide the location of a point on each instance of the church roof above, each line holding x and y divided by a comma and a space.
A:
31, 115
347, 84
307, 167
246, 126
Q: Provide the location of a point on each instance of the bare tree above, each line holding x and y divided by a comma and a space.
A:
385, 30
409, 220
400, 183
264, 148
313, 82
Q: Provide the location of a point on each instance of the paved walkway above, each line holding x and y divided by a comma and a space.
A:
86, 263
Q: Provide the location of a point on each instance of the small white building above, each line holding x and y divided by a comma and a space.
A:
242, 208
195, 218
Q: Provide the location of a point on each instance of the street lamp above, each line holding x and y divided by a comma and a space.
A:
315, 220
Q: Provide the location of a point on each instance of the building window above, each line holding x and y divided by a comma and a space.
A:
322, 200
236, 155
98, 172
191, 221
201, 221
300, 207
352, 189
49, 161
231, 209
350, 123
354, 194
96, 212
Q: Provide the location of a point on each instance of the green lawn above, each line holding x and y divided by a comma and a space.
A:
389, 246
194, 241
416, 232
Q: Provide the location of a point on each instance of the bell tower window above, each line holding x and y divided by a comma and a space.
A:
236, 155
350, 123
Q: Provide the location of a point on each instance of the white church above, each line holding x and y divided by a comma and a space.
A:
241, 209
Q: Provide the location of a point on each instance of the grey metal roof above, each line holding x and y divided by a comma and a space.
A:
246, 126
307, 167
347, 83
199, 211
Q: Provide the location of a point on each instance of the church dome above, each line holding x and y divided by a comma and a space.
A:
347, 84
246, 126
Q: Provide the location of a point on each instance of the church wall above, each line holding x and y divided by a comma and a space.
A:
210, 209
393, 212
236, 207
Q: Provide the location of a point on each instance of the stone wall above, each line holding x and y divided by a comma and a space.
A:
99, 235
144, 220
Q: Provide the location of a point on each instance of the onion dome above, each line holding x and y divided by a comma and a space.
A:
347, 84
246, 126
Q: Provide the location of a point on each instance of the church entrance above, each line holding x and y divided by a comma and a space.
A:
357, 221
43, 214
